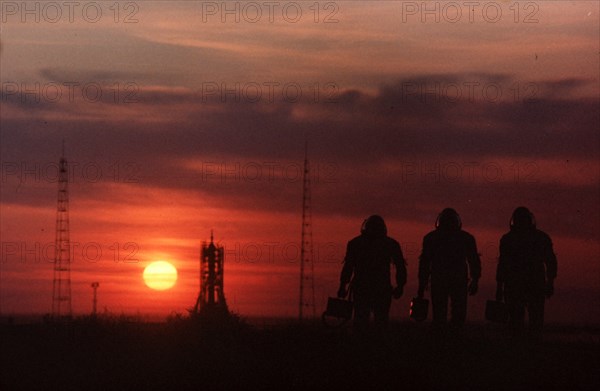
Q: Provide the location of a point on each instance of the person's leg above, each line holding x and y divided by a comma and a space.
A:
439, 302
458, 299
536, 314
362, 311
515, 304
381, 309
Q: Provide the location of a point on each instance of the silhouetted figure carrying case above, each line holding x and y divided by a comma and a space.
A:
419, 308
496, 311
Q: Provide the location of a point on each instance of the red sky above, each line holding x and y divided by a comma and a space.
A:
411, 116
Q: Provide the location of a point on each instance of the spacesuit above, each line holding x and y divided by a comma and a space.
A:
526, 271
449, 258
367, 263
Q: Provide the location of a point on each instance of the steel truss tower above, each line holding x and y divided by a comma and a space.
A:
307, 265
61, 293
211, 299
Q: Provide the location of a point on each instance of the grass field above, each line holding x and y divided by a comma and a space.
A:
118, 353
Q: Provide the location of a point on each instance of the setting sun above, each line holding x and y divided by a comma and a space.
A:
160, 275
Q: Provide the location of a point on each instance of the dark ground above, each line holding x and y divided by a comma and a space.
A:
119, 354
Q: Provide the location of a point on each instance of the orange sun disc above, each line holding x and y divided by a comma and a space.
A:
160, 275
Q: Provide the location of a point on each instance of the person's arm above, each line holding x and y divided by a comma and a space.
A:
347, 270
424, 266
551, 266
501, 270
474, 265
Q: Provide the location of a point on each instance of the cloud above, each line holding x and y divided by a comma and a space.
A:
407, 148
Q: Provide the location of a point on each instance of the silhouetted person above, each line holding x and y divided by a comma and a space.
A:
526, 272
448, 257
367, 263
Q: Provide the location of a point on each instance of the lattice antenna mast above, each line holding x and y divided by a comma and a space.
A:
61, 292
95, 286
307, 265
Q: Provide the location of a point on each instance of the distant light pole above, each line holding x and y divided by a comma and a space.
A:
95, 285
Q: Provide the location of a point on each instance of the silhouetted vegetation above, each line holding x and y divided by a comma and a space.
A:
191, 353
